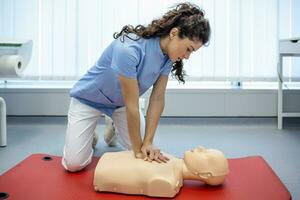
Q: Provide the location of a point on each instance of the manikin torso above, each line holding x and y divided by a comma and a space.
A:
121, 172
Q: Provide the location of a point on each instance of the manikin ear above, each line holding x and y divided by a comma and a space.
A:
173, 32
205, 175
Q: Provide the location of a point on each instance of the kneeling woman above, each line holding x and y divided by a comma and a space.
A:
138, 58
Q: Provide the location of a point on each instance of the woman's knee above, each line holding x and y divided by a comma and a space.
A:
74, 165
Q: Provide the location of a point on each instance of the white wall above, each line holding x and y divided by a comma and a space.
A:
179, 102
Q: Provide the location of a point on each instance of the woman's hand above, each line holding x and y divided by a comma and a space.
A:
139, 155
151, 153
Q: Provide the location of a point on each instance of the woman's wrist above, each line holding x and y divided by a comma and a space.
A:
137, 149
147, 141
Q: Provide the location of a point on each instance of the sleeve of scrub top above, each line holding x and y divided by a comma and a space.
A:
125, 60
166, 68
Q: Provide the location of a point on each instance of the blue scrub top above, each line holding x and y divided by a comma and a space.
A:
142, 60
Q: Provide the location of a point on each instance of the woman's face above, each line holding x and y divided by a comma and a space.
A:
178, 48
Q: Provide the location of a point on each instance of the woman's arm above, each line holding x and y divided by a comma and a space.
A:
130, 92
155, 109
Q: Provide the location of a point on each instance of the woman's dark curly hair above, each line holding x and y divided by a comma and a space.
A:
187, 17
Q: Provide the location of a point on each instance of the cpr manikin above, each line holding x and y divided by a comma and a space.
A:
121, 172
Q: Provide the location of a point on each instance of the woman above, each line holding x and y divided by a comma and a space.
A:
138, 58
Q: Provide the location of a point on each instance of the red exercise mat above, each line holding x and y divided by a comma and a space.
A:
36, 178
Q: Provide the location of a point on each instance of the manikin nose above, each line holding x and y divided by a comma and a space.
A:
200, 148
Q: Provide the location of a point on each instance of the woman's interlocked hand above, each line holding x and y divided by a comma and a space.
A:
151, 153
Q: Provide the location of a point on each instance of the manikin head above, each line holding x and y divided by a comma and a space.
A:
207, 165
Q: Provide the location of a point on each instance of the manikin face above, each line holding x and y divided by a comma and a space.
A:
178, 48
206, 162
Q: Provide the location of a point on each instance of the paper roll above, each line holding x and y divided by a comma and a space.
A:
11, 66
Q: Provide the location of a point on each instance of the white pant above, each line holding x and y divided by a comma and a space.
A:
82, 121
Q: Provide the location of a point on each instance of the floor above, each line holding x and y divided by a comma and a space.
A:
236, 137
